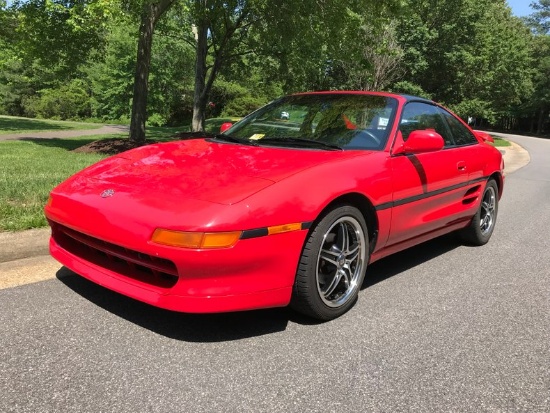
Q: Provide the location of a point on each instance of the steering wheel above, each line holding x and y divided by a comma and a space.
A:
364, 139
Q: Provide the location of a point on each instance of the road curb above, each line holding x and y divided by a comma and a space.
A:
515, 157
24, 244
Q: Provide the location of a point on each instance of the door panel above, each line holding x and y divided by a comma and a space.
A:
428, 192
430, 189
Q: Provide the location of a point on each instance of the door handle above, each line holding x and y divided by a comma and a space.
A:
461, 166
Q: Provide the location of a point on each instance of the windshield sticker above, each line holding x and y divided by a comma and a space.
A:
257, 136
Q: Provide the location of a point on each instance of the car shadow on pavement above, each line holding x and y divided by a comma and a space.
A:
238, 325
409, 258
179, 326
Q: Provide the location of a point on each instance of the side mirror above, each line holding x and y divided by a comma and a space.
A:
423, 141
225, 126
484, 136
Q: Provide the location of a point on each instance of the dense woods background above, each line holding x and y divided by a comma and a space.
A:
175, 62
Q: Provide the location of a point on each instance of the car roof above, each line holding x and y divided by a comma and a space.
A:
408, 98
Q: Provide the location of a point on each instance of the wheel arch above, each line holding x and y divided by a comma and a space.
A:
499, 179
364, 205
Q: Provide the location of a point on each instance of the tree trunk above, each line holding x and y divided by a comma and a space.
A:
149, 16
204, 77
199, 100
541, 121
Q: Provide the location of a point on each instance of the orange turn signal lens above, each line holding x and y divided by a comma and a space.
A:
195, 239
279, 229
220, 239
177, 238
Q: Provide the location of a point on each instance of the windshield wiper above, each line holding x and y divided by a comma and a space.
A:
216, 136
232, 139
301, 142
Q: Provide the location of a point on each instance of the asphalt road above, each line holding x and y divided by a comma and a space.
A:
439, 328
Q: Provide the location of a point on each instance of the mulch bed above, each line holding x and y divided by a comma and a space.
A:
115, 146
109, 146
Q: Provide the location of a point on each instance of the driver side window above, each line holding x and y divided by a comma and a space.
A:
423, 116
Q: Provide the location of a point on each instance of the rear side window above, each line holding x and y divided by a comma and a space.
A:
461, 134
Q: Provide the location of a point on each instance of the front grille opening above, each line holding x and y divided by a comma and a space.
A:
146, 268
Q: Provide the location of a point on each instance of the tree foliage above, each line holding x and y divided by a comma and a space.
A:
472, 55
536, 107
82, 59
540, 19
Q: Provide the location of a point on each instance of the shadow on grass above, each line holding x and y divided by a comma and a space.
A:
238, 325
15, 125
164, 133
99, 144
67, 144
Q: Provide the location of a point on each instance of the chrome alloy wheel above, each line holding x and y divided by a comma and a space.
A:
488, 210
341, 261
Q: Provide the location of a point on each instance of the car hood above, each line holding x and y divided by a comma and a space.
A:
201, 169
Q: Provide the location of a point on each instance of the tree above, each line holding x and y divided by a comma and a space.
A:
540, 100
110, 72
59, 33
540, 20
376, 62
43, 45
151, 12
298, 37
5, 21
471, 54
220, 33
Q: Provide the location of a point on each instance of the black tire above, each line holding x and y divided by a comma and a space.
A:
480, 229
333, 263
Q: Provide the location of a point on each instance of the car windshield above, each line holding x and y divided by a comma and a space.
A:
320, 121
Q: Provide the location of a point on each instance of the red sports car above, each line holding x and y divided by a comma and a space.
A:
278, 210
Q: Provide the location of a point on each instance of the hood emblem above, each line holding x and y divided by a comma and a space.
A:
107, 193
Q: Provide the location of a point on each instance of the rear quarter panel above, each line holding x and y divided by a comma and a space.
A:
486, 161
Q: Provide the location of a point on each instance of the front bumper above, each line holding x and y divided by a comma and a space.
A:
255, 273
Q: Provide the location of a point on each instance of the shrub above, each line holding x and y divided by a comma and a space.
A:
156, 119
70, 101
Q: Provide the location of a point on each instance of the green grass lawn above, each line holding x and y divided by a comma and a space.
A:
499, 142
12, 124
30, 168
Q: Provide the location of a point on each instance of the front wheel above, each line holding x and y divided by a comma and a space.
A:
332, 266
482, 225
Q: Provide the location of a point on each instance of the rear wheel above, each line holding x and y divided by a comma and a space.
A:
332, 266
481, 228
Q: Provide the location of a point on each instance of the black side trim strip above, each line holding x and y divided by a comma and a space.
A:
425, 195
307, 225
254, 233
262, 232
